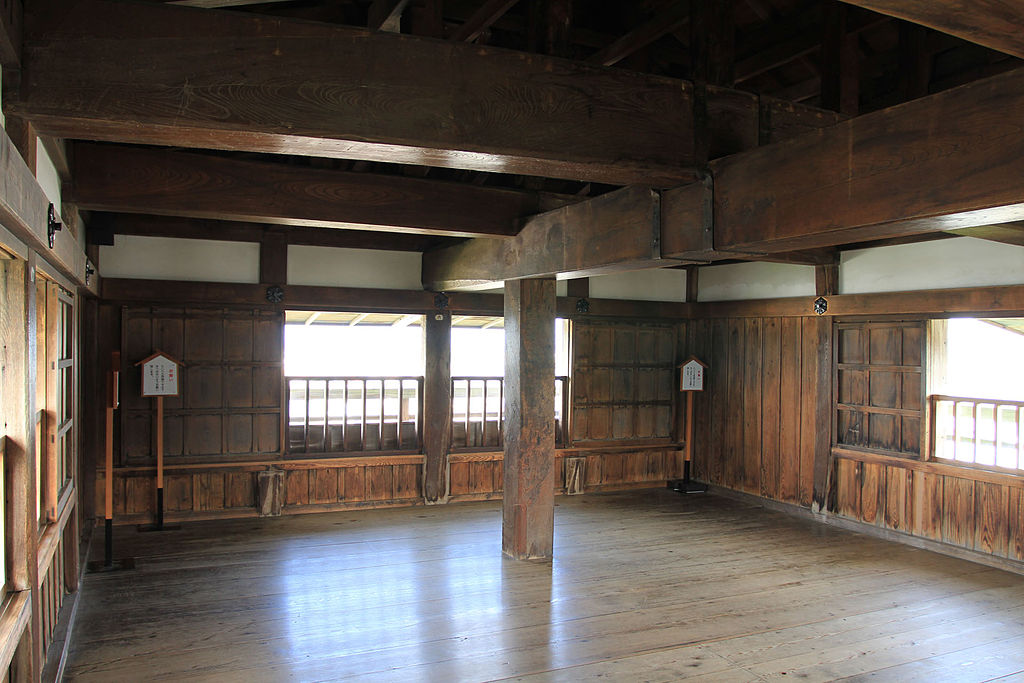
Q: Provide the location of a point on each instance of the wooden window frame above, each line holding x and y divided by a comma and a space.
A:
865, 326
935, 373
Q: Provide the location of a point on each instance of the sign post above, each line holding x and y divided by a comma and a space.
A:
113, 401
160, 373
691, 380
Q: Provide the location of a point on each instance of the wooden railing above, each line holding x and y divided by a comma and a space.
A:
478, 411
354, 414
977, 431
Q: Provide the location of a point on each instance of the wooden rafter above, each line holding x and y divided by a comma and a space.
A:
672, 18
482, 19
385, 15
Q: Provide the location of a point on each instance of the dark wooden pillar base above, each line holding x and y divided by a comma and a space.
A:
529, 495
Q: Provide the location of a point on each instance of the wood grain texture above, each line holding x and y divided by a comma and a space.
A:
373, 96
528, 501
615, 231
992, 23
371, 595
836, 186
148, 225
126, 179
437, 404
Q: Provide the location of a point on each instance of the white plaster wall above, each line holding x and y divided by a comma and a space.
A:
754, 280
656, 284
46, 176
942, 264
336, 267
164, 258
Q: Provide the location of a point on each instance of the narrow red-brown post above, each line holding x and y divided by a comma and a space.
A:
529, 495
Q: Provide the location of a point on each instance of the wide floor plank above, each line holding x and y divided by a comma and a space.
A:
645, 585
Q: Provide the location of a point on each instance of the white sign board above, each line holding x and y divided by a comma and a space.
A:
692, 378
160, 377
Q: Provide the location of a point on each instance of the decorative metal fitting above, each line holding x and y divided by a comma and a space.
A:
89, 272
441, 301
52, 226
275, 294
582, 306
820, 305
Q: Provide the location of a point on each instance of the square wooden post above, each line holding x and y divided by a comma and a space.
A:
437, 405
529, 497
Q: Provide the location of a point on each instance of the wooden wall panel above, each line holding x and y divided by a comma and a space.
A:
753, 375
1015, 524
928, 505
972, 509
958, 518
872, 495
771, 407
789, 411
991, 513
623, 374
230, 406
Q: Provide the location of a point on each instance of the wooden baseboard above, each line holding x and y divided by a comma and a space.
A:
871, 530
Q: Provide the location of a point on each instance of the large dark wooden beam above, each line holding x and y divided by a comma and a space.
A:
616, 231
24, 211
628, 229
128, 179
155, 74
528, 498
103, 226
992, 23
951, 160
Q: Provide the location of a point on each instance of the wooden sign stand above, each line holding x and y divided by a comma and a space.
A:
691, 380
112, 402
160, 377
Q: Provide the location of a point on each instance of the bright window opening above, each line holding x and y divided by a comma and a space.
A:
976, 381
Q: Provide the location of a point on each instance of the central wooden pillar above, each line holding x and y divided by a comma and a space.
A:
529, 496
437, 405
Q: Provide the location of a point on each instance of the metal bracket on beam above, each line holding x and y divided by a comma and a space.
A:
52, 226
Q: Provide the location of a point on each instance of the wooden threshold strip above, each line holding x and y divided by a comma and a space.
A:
17, 609
933, 467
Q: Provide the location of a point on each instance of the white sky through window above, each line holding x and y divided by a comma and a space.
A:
381, 350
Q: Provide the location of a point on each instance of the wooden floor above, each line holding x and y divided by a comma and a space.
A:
649, 586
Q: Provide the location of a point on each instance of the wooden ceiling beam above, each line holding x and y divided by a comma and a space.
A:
102, 226
993, 23
948, 161
945, 162
616, 231
155, 74
125, 179
482, 19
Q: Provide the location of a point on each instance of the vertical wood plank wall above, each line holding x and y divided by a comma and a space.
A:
755, 422
757, 432
224, 430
